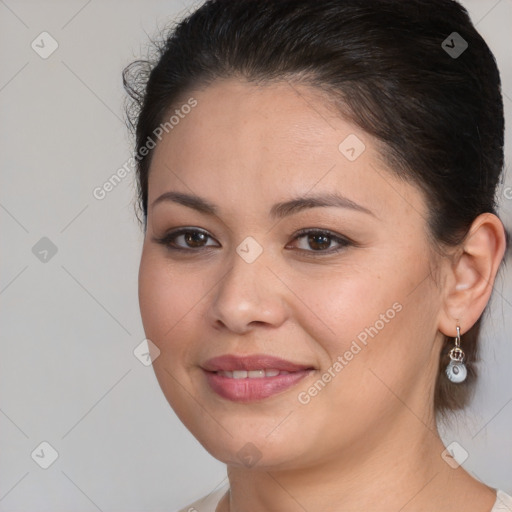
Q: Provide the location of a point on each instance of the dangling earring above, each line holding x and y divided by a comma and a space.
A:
456, 369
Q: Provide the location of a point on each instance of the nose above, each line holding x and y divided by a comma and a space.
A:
248, 295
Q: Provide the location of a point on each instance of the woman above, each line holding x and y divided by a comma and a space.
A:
317, 184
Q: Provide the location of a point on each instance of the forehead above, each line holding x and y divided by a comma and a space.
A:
234, 112
259, 142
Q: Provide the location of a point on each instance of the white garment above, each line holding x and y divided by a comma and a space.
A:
209, 503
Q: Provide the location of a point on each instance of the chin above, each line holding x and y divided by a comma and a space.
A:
251, 447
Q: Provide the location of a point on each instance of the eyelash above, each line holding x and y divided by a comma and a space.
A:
169, 239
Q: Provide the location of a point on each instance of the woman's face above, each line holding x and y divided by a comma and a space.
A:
351, 308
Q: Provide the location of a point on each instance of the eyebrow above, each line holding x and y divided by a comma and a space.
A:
278, 210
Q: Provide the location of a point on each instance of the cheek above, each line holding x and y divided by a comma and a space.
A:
167, 299
155, 291
368, 317
339, 305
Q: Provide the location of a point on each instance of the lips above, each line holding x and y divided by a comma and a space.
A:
231, 363
252, 378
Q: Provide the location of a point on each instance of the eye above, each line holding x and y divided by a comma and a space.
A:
319, 241
314, 241
185, 239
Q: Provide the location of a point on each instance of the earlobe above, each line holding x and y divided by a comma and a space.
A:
471, 275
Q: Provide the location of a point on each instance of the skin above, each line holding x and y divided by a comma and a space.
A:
368, 440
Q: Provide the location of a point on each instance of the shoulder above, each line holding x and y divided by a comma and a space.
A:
503, 502
207, 503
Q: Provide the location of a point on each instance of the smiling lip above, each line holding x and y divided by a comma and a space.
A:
252, 378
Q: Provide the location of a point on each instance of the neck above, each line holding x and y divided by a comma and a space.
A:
400, 468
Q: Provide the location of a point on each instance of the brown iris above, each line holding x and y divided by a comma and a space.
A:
318, 241
194, 239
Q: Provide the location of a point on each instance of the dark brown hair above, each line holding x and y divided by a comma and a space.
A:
438, 115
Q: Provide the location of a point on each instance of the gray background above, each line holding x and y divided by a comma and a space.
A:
68, 375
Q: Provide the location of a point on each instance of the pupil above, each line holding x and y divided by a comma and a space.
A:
314, 242
194, 239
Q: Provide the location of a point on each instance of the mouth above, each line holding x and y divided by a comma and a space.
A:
252, 378
251, 374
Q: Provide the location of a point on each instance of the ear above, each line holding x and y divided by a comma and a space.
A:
470, 275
